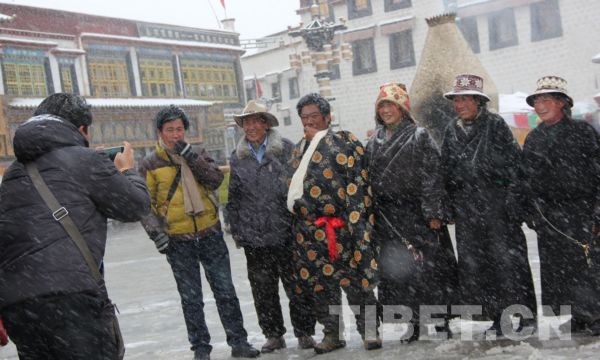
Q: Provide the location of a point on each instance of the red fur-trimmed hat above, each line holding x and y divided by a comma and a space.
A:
395, 93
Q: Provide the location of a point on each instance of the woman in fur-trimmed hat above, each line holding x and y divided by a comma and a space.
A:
562, 161
417, 263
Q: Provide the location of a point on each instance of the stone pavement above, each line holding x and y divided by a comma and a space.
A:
140, 282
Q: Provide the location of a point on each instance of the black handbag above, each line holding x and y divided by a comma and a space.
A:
60, 214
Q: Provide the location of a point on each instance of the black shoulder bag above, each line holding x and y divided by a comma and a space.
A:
61, 214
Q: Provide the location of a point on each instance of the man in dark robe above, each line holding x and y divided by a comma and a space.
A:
481, 161
329, 200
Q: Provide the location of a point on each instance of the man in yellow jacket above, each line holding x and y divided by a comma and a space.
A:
184, 225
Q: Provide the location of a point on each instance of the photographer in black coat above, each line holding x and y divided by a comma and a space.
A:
51, 305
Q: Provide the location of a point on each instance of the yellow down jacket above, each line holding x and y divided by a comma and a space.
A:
159, 172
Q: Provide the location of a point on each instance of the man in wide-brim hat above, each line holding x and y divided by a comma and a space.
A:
481, 162
562, 164
261, 224
255, 108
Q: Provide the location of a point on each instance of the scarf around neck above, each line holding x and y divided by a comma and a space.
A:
192, 199
296, 190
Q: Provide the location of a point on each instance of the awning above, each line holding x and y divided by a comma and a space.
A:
516, 112
585, 110
521, 120
514, 103
118, 102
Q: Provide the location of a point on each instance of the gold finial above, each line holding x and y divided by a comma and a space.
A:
441, 19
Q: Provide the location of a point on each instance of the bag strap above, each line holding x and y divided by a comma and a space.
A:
165, 205
61, 214
174, 185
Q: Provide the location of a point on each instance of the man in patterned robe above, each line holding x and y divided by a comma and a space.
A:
332, 222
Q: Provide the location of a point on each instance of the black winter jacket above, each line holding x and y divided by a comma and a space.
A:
37, 256
257, 207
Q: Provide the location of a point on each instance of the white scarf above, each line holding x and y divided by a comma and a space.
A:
296, 190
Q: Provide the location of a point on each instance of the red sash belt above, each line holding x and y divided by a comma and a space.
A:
3, 336
331, 223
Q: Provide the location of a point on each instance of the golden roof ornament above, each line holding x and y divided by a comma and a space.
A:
445, 55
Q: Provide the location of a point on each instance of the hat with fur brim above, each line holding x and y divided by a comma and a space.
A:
252, 108
467, 84
550, 85
395, 93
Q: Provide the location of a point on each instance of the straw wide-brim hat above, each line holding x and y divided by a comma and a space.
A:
550, 85
253, 108
467, 84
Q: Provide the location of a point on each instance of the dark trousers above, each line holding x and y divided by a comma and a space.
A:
266, 265
357, 299
185, 258
62, 327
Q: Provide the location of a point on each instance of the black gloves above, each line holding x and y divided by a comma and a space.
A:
182, 148
162, 242
185, 150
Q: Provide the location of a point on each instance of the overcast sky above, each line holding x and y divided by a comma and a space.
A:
254, 18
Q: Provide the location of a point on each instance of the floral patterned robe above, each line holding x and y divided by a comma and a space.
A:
334, 185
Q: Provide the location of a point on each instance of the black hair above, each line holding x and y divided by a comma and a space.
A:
170, 113
481, 101
563, 97
70, 107
566, 109
314, 99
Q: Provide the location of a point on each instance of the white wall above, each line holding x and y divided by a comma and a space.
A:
514, 68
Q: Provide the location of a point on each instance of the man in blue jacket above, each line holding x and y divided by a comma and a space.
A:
261, 224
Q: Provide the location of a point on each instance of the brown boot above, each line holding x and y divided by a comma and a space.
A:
306, 342
372, 344
330, 343
272, 344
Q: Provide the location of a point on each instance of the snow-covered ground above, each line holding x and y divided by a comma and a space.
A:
141, 283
